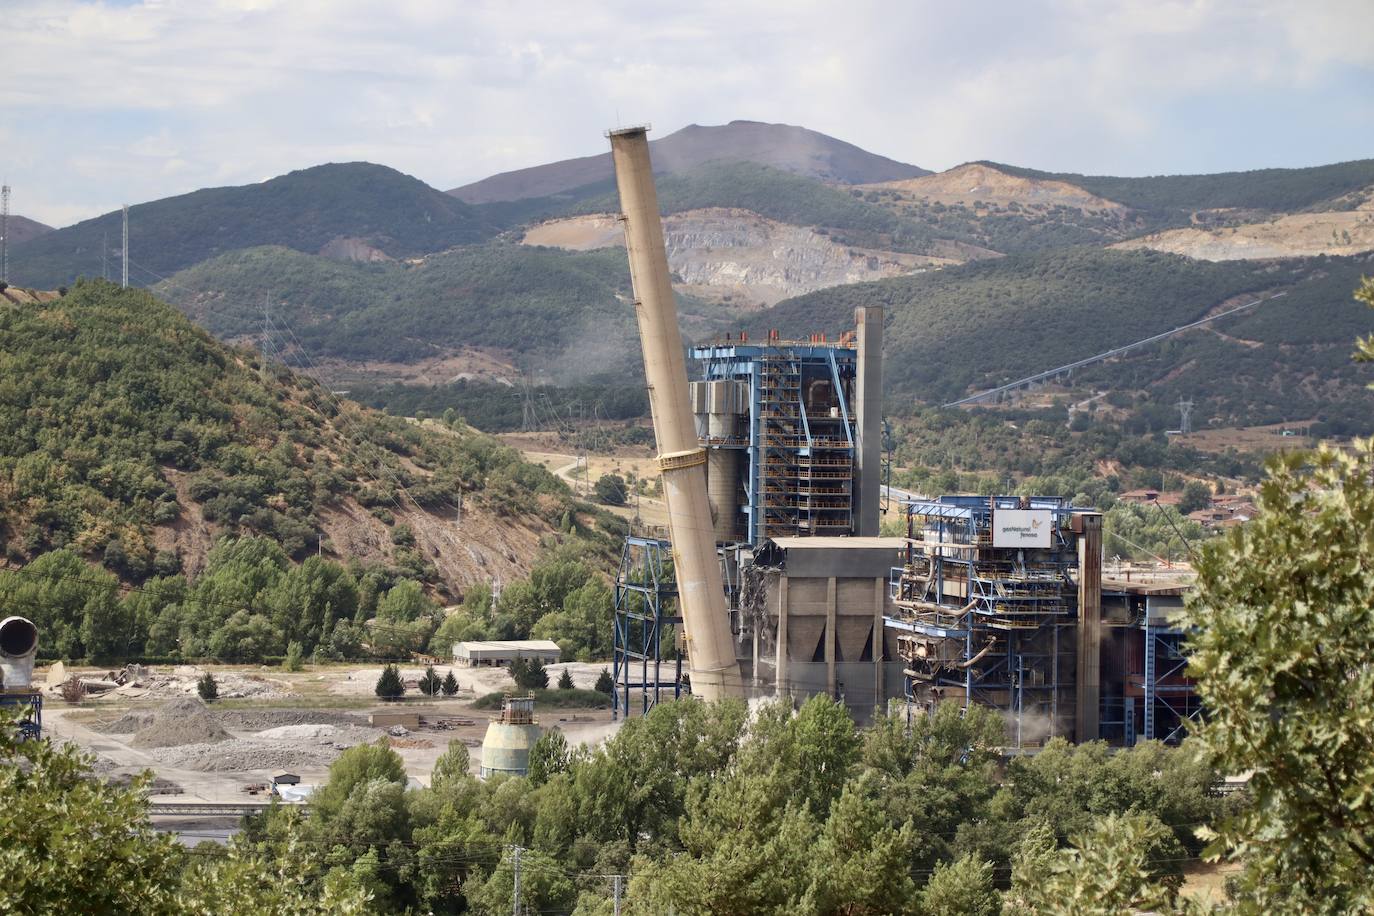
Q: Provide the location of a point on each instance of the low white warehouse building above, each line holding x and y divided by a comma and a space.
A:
501, 653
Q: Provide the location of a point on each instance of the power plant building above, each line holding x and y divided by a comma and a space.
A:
997, 601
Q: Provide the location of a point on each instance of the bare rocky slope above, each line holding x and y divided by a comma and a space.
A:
739, 256
1298, 235
978, 183
781, 146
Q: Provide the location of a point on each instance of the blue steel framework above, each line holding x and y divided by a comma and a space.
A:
1167, 690
644, 589
31, 721
1156, 699
982, 623
799, 452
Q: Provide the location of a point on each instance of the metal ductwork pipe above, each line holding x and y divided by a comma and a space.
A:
682, 461
18, 646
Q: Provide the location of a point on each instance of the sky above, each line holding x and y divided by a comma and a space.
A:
109, 102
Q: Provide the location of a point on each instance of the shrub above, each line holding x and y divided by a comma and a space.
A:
294, 660
610, 489
389, 685
207, 687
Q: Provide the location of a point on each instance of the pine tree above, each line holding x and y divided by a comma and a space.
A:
294, 660
207, 687
431, 683
604, 682
450, 685
389, 685
565, 681
519, 669
536, 678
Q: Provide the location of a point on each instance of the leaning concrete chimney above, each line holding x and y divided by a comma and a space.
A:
869, 417
681, 459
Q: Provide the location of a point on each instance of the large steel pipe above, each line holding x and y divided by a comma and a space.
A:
682, 461
18, 646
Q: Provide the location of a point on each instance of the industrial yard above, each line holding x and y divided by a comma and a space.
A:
269, 722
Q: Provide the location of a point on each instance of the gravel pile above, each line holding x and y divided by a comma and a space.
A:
252, 720
184, 720
241, 754
334, 735
128, 723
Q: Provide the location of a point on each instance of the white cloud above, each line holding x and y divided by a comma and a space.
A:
142, 100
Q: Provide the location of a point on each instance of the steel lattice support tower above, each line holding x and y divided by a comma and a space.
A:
1185, 410
644, 591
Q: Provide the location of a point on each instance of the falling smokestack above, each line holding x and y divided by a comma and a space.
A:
682, 461
18, 646
869, 415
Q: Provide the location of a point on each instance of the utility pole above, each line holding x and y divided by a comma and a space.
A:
125, 282
616, 893
517, 850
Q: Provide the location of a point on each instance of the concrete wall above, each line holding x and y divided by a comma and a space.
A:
829, 638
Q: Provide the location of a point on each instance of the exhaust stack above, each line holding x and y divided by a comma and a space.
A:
18, 646
682, 461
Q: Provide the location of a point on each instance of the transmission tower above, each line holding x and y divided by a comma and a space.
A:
263, 372
4, 233
1185, 410
125, 282
528, 421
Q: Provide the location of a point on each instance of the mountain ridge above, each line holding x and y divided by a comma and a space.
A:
23, 229
787, 147
306, 210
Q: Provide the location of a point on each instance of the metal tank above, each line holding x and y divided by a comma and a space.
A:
509, 740
682, 461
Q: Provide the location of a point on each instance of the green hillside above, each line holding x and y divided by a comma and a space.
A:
303, 210
131, 437
558, 313
972, 327
1278, 190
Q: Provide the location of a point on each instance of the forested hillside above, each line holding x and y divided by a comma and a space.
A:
383, 279
560, 314
305, 210
132, 438
1279, 190
979, 325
